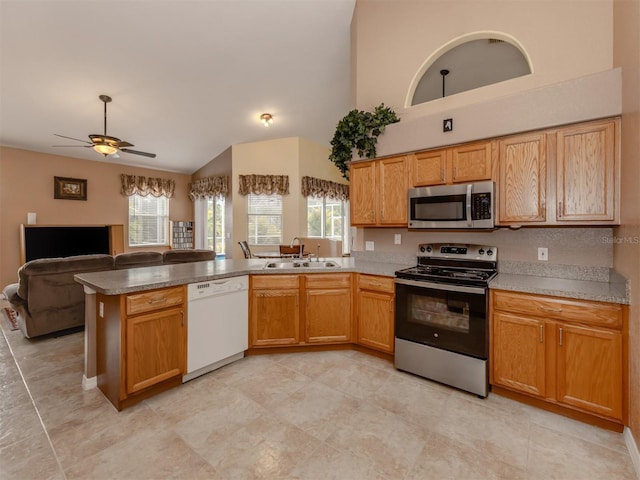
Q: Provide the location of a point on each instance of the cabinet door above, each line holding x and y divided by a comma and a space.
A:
585, 172
470, 163
589, 369
518, 353
522, 182
155, 348
376, 320
328, 315
392, 191
274, 317
362, 182
429, 168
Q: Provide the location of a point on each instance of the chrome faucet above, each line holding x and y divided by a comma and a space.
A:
318, 255
300, 244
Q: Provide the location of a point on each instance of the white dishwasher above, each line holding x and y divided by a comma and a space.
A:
218, 324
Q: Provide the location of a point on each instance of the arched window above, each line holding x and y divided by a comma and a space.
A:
464, 64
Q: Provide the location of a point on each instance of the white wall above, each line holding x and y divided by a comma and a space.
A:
564, 39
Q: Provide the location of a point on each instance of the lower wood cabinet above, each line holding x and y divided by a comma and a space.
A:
567, 352
375, 312
287, 310
141, 343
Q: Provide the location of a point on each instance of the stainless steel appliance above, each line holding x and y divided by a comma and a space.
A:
441, 319
462, 206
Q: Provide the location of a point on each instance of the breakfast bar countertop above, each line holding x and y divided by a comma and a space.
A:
116, 282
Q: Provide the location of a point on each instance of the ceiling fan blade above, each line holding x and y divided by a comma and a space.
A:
73, 146
122, 143
71, 138
136, 152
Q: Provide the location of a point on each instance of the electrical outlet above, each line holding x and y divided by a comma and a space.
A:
397, 239
543, 254
368, 246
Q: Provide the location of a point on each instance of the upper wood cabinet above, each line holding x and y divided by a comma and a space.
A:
564, 176
378, 194
464, 163
586, 166
522, 179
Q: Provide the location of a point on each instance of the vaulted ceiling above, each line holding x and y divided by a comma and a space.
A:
188, 78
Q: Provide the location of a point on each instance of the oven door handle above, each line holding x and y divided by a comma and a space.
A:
440, 286
468, 205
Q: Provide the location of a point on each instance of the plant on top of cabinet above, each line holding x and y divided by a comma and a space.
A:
359, 129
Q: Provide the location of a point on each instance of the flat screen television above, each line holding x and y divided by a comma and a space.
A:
63, 241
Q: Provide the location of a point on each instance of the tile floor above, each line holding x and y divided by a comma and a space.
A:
331, 415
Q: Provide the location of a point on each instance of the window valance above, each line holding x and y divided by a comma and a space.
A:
264, 184
316, 187
138, 185
209, 187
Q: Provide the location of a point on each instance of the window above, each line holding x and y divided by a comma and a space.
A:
215, 225
264, 223
148, 220
325, 217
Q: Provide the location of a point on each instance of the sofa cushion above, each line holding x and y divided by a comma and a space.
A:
187, 256
67, 267
137, 259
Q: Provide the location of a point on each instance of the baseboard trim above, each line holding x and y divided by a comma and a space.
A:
632, 446
89, 383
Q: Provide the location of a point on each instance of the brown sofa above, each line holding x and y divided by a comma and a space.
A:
47, 299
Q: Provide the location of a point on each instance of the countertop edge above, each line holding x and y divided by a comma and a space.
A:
607, 292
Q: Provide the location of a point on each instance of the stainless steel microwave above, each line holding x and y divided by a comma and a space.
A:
462, 206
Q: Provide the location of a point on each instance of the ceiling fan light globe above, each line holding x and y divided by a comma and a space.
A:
105, 149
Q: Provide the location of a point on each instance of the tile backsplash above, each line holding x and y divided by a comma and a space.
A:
576, 247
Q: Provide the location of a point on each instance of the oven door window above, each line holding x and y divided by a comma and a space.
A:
452, 321
450, 208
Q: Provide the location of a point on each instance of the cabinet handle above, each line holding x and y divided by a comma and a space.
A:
559, 209
455, 172
297, 299
548, 309
182, 313
158, 300
391, 305
541, 333
560, 336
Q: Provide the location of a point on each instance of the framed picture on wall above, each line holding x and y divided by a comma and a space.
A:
69, 188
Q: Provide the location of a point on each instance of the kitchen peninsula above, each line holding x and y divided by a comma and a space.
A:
291, 296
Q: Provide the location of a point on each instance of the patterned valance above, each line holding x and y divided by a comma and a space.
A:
209, 187
316, 187
138, 185
264, 184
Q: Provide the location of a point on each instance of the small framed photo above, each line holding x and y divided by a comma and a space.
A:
69, 188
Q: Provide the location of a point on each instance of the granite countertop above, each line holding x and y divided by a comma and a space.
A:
612, 291
116, 282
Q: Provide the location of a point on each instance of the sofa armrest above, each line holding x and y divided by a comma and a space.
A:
11, 294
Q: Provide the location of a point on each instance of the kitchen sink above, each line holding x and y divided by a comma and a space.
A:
301, 264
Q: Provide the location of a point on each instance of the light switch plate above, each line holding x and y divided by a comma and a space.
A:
543, 254
368, 246
397, 239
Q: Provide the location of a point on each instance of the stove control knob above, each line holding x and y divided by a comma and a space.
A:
429, 249
489, 252
481, 251
422, 249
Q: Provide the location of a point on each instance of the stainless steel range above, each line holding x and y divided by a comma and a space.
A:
441, 322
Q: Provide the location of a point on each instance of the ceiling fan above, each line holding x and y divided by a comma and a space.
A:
105, 144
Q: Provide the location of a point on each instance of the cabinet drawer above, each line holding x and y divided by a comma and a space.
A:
328, 280
154, 300
580, 311
377, 283
274, 281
